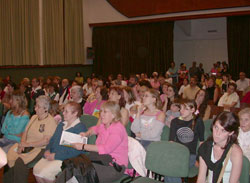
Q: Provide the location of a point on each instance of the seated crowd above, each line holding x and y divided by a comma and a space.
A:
35, 115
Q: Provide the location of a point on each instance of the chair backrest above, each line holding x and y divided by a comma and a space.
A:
89, 120
165, 133
128, 128
168, 158
208, 131
244, 177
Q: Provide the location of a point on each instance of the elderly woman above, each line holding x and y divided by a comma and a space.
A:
93, 107
36, 136
230, 98
111, 148
244, 131
50, 165
15, 121
76, 94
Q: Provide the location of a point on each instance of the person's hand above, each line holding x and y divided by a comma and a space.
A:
51, 156
20, 148
77, 146
138, 135
25, 144
166, 100
83, 134
46, 154
141, 109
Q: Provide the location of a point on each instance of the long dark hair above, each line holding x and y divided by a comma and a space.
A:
202, 108
230, 122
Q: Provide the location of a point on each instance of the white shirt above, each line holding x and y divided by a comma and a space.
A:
88, 89
227, 172
242, 85
229, 99
244, 142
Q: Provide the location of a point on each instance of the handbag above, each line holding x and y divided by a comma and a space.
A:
225, 164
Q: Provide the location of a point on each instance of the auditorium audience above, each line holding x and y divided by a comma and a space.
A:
137, 102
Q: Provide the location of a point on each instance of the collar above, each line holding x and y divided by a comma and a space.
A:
37, 88
72, 125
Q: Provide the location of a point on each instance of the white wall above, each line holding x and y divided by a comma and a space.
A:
100, 11
204, 41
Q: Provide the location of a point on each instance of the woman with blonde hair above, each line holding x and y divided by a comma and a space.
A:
149, 120
15, 121
110, 153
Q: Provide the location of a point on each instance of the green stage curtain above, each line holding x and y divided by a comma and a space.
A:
133, 48
238, 40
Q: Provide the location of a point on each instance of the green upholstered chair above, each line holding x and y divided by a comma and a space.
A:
207, 125
165, 133
31, 106
89, 120
244, 177
166, 158
128, 128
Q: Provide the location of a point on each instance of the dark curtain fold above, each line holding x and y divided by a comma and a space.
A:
238, 40
133, 48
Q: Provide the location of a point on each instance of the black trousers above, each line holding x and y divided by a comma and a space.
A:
19, 172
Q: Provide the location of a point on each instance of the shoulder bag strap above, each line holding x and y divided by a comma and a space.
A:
225, 164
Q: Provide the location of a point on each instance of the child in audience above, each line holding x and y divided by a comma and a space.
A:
188, 129
174, 112
185, 84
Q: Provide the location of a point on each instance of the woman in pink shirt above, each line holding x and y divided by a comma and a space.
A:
93, 107
110, 154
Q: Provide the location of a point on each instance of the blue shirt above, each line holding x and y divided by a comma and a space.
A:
14, 125
63, 152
